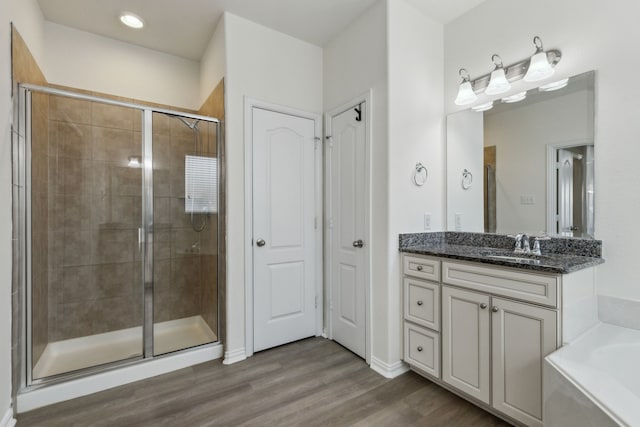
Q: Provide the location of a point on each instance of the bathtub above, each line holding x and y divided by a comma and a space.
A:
594, 381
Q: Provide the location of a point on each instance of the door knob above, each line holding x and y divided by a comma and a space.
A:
358, 243
420, 349
495, 309
260, 242
483, 306
419, 268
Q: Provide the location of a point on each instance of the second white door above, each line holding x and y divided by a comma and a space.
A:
284, 222
347, 226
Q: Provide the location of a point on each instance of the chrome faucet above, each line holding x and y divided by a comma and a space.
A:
536, 245
522, 244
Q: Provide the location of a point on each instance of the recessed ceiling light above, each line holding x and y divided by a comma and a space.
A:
483, 107
514, 98
131, 20
554, 86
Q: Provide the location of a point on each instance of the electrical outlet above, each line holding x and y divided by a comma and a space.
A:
458, 221
427, 221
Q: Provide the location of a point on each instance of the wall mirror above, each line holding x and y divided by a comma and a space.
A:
525, 166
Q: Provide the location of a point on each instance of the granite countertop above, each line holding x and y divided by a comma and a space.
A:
559, 255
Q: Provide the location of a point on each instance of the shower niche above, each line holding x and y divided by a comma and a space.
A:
118, 222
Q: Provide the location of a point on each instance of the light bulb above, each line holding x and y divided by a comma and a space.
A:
514, 98
554, 85
483, 107
539, 68
131, 20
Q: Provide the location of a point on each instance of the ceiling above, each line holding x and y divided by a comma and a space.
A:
184, 27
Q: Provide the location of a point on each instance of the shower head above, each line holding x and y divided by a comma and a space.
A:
193, 126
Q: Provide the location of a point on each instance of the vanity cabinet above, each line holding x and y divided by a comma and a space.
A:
497, 325
421, 294
465, 342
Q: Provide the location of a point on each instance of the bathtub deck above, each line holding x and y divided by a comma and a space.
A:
84, 352
601, 366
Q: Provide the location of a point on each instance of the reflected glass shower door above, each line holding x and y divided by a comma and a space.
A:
84, 213
185, 227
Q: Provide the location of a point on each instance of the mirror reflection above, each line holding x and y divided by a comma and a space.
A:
525, 165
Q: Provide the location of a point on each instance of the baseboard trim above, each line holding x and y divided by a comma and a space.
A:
388, 370
55, 393
7, 419
234, 356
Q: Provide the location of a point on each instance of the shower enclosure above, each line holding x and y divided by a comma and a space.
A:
116, 207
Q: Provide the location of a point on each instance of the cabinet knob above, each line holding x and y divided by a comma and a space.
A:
419, 348
483, 306
420, 303
495, 309
419, 268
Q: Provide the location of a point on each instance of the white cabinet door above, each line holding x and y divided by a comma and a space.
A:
283, 226
465, 342
522, 335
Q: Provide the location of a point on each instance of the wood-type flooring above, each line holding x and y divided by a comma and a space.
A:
313, 382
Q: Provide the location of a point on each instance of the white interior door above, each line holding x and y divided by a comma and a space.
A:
284, 240
347, 227
565, 193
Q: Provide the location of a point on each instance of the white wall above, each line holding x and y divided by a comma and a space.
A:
465, 150
87, 61
5, 210
267, 65
521, 135
415, 44
26, 16
213, 62
588, 33
354, 62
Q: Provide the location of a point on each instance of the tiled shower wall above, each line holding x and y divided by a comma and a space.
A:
185, 259
95, 211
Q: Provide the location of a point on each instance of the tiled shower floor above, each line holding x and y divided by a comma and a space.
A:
78, 353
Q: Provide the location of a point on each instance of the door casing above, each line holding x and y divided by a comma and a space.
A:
249, 105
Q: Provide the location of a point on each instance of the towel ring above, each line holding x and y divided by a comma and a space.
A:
420, 175
467, 179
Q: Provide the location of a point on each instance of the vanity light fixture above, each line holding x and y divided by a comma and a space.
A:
539, 67
498, 81
466, 95
483, 107
554, 85
131, 20
514, 98
535, 68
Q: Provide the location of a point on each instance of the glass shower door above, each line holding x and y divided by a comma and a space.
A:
185, 227
84, 205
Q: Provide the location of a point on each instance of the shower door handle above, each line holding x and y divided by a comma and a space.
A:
140, 239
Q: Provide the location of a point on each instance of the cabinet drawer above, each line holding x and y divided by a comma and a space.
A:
422, 302
422, 349
530, 287
421, 267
